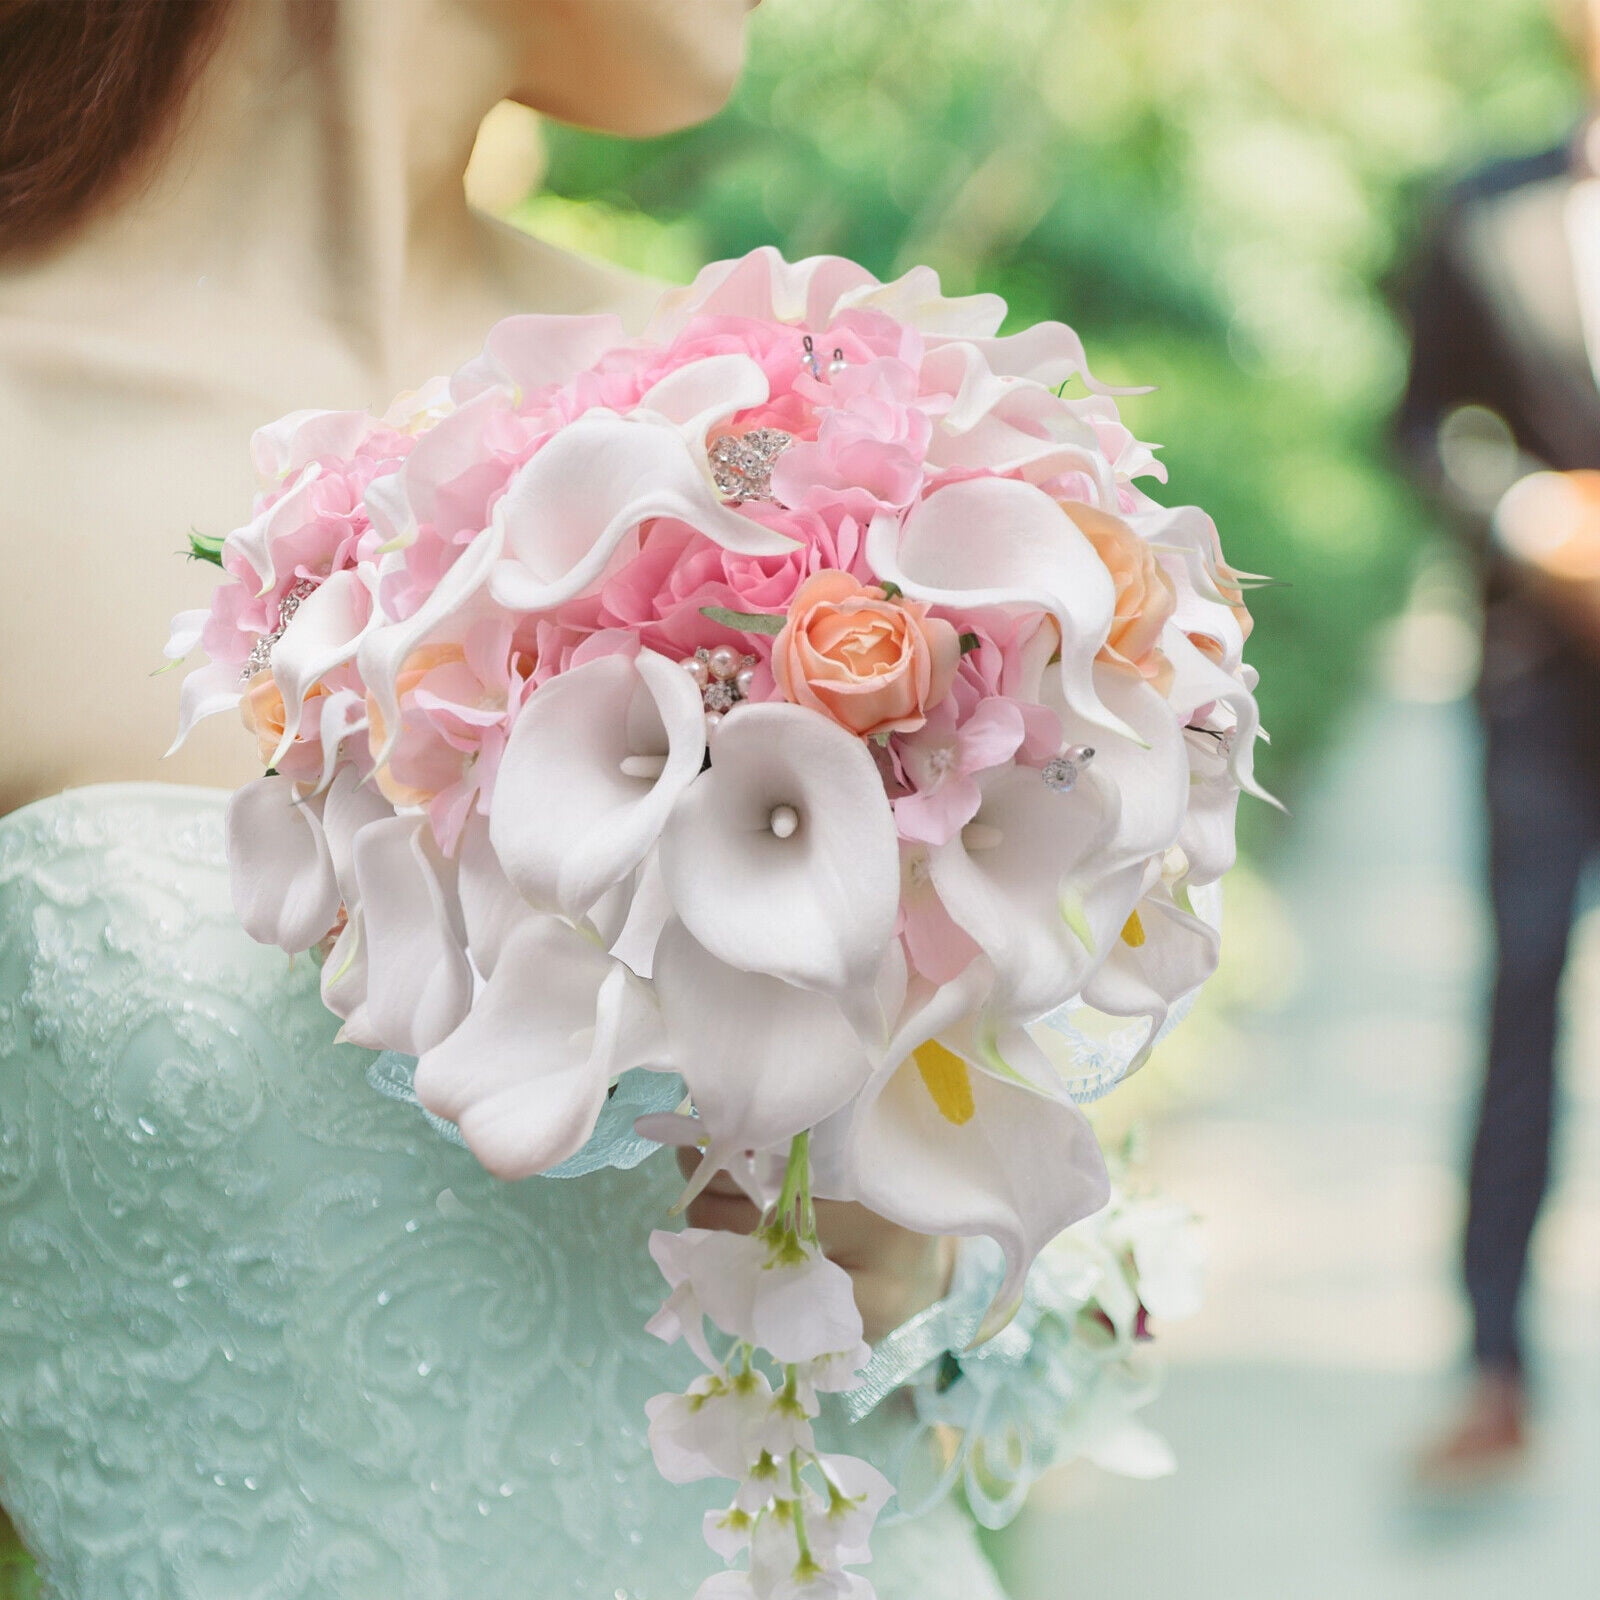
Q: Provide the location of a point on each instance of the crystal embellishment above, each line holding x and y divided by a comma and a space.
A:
1062, 772
260, 656
742, 463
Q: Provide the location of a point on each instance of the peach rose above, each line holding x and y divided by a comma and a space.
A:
263, 712
1146, 598
873, 664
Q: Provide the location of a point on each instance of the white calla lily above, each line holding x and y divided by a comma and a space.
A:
764, 286
525, 1074
1166, 951
524, 354
939, 1144
419, 983
490, 907
284, 889
596, 761
1024, 880
187, 626
1030, 553
918, 298
206, 691
324, 633
291, 442
575, 509
782, 858
763, 1060
1048, 353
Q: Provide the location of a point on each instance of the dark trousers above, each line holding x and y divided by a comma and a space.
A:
1542, 747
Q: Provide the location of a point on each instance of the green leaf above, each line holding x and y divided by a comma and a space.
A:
891, 591
969, 642
745, 621
205, 547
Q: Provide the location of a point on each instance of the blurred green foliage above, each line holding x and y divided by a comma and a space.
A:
1216, 193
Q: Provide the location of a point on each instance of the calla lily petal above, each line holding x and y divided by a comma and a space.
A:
206, 691
419, 983
292, 442
324, 633
570, 818
700, 394
284, 889
567, 513
917, 297
344, 985
1032, 554
187, 626
764, 1060
490, 908
524, 354
525, 1075
764, 286
814, 907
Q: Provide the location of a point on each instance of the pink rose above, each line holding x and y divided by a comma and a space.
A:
872, 664
1146, 598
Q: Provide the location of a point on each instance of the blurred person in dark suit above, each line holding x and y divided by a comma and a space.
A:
1501, 418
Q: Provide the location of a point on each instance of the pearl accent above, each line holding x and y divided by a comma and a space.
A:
784, 821
713, 722
744, 681
725, 662
697, 669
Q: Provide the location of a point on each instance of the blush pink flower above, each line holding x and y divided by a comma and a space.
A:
870, 444
457, 701
941, 761
934, 944
871, 664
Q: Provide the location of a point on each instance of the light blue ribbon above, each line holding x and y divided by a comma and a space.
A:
949, 1325
614, 1143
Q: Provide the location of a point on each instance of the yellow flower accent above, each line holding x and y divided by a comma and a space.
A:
1133, 931
947, 1079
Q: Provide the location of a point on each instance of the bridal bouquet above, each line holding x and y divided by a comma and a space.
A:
802, 699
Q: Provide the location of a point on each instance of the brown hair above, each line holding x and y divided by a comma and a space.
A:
87, 87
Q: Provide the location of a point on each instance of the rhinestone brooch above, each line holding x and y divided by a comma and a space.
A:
742, 463
724, 678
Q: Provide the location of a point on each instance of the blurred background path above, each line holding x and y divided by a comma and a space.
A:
1320, 1143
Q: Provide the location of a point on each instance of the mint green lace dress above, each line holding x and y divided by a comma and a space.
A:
264, 1334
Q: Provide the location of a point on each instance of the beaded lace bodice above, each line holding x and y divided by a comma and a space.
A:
264, 1334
